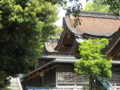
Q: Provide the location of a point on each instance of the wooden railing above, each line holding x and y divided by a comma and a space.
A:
106, 84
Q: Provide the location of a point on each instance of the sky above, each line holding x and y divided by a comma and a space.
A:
62, 12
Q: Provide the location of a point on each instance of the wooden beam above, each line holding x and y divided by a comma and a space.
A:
37, 73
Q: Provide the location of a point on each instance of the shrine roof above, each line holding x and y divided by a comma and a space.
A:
116, 62
58, 56
50, 46
99, 24
58, 59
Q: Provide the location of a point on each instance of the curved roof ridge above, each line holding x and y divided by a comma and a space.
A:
93, 25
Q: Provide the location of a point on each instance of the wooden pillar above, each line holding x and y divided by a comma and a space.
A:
56, 80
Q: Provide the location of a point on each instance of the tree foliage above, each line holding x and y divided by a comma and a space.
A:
114, 5
24, 26
96, 7
93, 63
57, 33
4, 80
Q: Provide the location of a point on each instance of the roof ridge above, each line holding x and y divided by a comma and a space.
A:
97, 15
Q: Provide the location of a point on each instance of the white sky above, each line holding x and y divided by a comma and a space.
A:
62, 12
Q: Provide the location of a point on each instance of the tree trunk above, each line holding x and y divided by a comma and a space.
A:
92, 83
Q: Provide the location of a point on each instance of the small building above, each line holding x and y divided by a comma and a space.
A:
56, 66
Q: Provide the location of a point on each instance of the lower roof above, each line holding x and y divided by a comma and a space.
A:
60, 59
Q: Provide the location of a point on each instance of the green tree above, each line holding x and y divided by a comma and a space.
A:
24, 26
92, 62
114, 5
96, 7
57, 33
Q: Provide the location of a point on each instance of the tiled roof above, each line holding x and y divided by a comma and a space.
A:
99, 26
